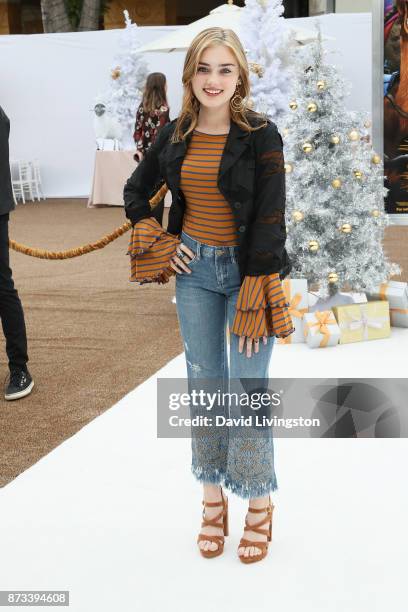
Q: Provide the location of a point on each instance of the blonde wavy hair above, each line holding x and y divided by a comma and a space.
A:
188, 117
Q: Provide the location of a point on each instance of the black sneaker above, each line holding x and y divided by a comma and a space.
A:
20, 385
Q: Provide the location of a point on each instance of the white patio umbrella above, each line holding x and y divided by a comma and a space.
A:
224, 16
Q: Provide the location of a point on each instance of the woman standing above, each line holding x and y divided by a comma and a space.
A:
225, 168
151, 116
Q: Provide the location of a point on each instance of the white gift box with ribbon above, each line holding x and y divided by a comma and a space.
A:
396, 294
321, 329
296, 292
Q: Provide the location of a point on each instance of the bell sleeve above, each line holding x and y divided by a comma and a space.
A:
150, 250
262, 308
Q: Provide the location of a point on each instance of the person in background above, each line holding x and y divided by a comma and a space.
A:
20, 383
151, 116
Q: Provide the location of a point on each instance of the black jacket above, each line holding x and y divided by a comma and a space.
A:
251, 178
6, 193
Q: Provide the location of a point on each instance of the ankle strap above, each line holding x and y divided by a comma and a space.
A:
213, 504
267, 509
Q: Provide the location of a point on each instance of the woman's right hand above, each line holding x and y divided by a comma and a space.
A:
176, 262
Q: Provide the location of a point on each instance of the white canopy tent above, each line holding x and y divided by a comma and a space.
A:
227, 16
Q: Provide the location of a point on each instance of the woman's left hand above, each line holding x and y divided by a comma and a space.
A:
250, 343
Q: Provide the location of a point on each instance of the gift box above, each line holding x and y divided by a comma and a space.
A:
295, 290
396, 294
321, 329
359, 322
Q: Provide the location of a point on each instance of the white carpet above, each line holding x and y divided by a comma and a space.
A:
112, 514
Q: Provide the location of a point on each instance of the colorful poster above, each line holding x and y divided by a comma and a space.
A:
396, 105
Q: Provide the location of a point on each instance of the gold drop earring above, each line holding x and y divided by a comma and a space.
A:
236, 101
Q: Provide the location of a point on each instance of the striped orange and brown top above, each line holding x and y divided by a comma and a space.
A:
208, 216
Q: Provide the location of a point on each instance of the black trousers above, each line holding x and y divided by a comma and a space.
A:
11, 310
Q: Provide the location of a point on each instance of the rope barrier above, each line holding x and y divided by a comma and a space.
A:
87, 248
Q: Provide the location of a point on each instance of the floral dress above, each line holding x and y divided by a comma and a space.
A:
148, 125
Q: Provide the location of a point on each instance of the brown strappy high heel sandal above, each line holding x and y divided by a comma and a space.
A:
214, 522
256, 527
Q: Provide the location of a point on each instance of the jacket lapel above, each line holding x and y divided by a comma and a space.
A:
237, 141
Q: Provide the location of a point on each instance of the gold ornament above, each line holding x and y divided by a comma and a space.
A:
358, 174
376, 159
288, 168
312, 107
346, 228
336, 183
293, 105
367, 124
335, 139
375, 212
321, 85
115, 73
297, 215
256, 69
285, 131
333, 277
313, 246
307, 147
354, 135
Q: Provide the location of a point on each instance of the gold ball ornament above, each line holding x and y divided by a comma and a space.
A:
297, 215
335, 139
256, 68
321, 85
367, 124
115, 73
336, 183
354, 135
375, 212
312, 107
346, 228
293, 105
333, 277
313, 246
307, 147
288, 168
376, 159
358, 174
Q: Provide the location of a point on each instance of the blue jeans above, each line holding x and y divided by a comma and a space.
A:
206, 301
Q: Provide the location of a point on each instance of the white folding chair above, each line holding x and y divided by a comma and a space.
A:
108, 144
37, 175
17, 180
23, 180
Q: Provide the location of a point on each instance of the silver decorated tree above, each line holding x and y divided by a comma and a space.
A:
128, 78
334, 182
267, 46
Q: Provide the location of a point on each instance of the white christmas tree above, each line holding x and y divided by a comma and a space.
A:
334, 184
128, 79
266, 43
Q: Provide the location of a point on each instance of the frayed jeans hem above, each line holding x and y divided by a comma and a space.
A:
243, 489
